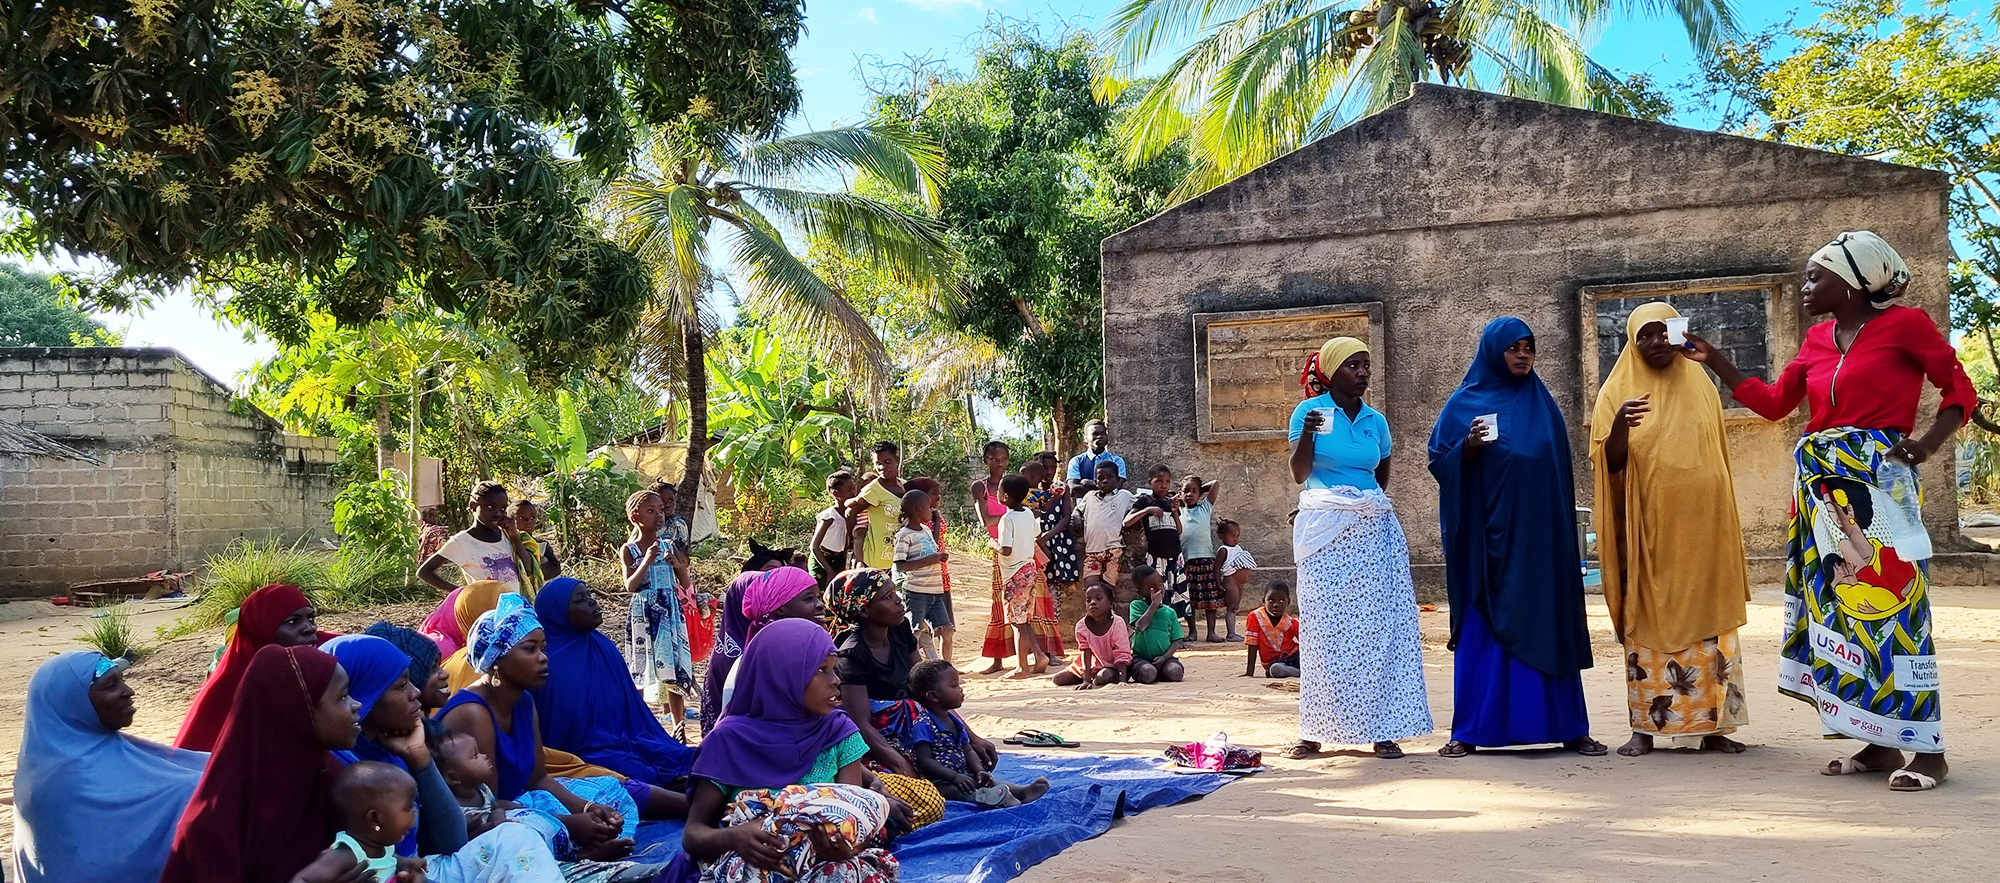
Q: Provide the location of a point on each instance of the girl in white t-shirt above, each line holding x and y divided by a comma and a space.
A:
1237, 565
1016, 543
831, 531
486, 550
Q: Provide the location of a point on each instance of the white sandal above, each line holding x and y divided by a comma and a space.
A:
1847, 766
1910, 780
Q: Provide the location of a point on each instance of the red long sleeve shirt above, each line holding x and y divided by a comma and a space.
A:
1875, 385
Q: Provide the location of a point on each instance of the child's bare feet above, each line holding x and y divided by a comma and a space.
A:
992, 669
1021, 674
1032, 790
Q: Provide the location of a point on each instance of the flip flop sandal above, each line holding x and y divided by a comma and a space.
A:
1848, 766
1388, 750
1908, 780
1300, 750
1588, 747
1040, 739
1455, 748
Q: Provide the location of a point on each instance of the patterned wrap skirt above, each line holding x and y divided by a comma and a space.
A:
1204, 582
1857, 640
1361, 661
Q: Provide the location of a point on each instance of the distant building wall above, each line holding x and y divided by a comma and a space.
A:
180, 476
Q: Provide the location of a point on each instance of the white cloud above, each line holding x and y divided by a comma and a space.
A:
867, 14
811, 71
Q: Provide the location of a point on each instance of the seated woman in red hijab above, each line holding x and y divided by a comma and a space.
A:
276, 614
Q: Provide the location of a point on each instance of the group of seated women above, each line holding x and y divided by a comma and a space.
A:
538, 769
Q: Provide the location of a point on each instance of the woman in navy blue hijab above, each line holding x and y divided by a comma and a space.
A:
1506, 501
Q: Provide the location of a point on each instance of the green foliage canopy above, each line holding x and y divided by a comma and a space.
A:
33, 313
311, 156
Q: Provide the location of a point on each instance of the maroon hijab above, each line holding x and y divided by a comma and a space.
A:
264, 807
256, 626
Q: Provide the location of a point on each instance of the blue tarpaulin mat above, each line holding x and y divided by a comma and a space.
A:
993, 846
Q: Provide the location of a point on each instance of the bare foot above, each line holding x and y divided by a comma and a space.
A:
1234, 638
1034, 789
993, 669
1021, 674
1639, 746
1722, 744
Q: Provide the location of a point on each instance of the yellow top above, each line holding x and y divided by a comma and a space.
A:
1668, 535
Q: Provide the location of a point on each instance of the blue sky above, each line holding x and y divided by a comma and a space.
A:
846, 36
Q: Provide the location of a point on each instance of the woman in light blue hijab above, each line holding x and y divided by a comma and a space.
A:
80, 780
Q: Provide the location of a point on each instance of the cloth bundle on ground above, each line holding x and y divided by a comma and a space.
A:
1217, 755
257, 622
847, 815
589, 707
78, 780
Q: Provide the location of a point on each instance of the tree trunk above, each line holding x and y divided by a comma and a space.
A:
385, 436
697, 401
1068, 433
416, 432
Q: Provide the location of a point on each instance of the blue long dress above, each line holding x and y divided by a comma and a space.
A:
1512, 566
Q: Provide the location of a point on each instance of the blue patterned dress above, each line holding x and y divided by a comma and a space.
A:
656, 633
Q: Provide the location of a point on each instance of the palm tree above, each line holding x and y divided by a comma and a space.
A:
1264, 77
683, 200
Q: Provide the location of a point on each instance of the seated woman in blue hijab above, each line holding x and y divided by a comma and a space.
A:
589, 706
1506, 501
80, 779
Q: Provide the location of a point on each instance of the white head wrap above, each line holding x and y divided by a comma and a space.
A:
1868, 264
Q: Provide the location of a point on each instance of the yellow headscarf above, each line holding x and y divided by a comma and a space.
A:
473, 602
1668, 535
1338, 350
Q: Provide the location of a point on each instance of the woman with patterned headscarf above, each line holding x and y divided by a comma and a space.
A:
877, 648
1361, 667
1857, 643
506, 647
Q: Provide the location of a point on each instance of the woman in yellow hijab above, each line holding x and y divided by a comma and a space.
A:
1670, 542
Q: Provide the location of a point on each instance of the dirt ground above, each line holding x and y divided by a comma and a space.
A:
1536, 815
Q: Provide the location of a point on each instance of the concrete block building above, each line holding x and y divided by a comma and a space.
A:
115, 462
1413, 227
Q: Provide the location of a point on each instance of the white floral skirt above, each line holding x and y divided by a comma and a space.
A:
1361, 661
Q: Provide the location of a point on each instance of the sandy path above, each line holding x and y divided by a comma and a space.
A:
1496, 816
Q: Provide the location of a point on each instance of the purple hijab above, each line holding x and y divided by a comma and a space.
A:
729, 641
767, 738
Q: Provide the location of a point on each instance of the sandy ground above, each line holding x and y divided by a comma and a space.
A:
1536, 815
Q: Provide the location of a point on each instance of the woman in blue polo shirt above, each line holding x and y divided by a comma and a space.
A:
1506, 502
1361, 659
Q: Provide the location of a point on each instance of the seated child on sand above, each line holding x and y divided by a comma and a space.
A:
1104, 642
1272, 635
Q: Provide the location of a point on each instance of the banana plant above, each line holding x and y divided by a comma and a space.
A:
780, 419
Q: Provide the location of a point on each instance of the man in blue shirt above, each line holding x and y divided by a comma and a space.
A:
1083, 467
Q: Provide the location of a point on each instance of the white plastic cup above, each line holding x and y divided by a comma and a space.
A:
1677, 331
1490, 430
1325, 420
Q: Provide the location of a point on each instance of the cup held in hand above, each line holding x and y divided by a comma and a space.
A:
1489, 427
1677, 330
1325, 420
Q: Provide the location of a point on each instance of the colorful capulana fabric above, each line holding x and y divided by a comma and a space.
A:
1857, 642
498, 630
849, 594
844, 814
1689, 694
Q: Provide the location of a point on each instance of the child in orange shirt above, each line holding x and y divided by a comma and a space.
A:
1271, 636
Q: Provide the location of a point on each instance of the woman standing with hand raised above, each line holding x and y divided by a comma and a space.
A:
1857, 642
1506, 502
1675, 579
1361, 659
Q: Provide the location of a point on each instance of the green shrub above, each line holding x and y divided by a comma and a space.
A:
357, 578
347, 579
110, 633
587, 509
377, 517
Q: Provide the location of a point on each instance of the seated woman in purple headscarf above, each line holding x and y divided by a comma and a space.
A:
783, 727
734, 632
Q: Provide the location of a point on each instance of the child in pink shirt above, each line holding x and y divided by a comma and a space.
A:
1105, 643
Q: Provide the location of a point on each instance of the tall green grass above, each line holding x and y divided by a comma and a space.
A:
346, 579
110, 633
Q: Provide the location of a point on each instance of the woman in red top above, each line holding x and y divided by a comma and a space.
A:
1857, 640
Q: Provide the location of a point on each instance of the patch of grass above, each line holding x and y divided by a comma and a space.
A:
347, 579
357, 579
110, 633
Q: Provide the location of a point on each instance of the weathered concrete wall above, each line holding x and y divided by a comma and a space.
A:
181, 475
1452, 208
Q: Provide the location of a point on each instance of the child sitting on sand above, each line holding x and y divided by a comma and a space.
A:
1105, 643
1272, 636
1156, 631
939, 743
378, 807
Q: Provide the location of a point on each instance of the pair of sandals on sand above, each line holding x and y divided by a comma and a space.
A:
1899, 779
1040, 739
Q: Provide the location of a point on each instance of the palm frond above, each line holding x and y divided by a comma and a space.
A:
912, 248
1141, 27
664, 226
953, 364
899, 156
790, 292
